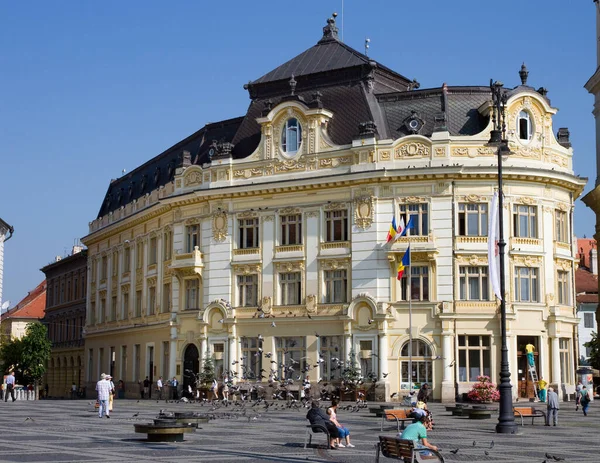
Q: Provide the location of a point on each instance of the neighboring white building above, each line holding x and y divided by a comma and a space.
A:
5, 229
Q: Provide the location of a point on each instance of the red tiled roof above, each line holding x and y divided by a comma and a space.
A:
584, 246
585, 282
587, 299
31, 306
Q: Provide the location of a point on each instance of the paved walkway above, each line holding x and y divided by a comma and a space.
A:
70, 431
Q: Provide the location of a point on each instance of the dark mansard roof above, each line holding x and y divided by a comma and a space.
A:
331, 75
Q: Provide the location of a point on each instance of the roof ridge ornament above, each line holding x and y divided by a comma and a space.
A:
523, 74
330, 31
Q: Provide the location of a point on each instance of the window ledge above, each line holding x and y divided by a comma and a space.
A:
471, 239
526, 241
295, 248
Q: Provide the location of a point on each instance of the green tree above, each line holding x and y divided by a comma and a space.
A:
207, 374
594, 346
351, 374
11, 358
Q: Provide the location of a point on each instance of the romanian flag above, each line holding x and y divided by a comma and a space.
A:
404, 263
393, 230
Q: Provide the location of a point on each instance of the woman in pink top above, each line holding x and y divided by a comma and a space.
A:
343, 432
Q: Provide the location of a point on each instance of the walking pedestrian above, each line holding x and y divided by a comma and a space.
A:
103, 390
552, 412
111, 396
10, 386
578, 395
159, 387
146, 388
175, 385
585, 400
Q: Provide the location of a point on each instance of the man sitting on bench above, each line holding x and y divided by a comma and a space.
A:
417, 432
317, 416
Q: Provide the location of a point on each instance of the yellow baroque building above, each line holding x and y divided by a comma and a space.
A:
261, 240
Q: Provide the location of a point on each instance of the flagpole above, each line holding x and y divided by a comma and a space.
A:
410, 340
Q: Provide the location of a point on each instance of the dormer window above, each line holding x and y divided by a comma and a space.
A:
291, 137
525, 126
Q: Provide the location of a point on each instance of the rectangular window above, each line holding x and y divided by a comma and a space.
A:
332, 357
124, 305
247, 290
252, 357
75, 288
290, 287
68, 290
526, 284
336, 225
565, 360
167, 245
419, 213
127, 259
191, 294
419, 284
474, 357
90, 370
472, 219
101, 363
102, 313
62, 292
138, 303
137, 362
291, 351
588, 320
113, 308
473, 283
248, 233
336, 286
123, 363
103, 268
291, 229
525, 221
166, 298
94, 270
562, 279
365, 357
153, 257
115, 263
192, 237
561, 226
139, 255
92, 313
151, 300
165, 362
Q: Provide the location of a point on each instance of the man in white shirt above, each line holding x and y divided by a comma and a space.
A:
10, 386
159, 387
103, 388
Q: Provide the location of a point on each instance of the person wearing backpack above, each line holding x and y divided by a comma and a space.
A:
585, 400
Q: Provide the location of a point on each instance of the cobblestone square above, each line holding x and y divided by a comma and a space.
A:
70, 431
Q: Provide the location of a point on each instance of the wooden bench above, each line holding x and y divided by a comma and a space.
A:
164, 432
399, 416
403, 449
312, 429
529, 412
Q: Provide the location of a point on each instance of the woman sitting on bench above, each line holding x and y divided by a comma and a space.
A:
342, 431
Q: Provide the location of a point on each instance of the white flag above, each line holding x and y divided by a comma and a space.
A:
493, 263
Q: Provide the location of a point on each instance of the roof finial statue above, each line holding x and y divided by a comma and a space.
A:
330, 31
292, 83
523, 73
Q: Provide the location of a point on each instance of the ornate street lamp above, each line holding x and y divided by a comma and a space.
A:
506, 419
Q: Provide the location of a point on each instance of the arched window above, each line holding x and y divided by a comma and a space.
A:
291, 136
525, 126
421, 364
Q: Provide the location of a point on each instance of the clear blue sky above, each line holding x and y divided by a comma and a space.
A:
88, 89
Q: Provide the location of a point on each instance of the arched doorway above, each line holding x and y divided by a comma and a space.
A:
421, 364
191, 366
